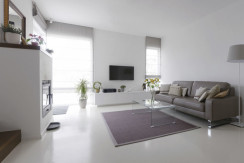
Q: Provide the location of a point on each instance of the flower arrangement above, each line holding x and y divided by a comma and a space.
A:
97, 86
36, 40
10, 28
152, 83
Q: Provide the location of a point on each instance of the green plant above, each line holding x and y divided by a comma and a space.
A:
36, 38
82, 88
10, 28
122, 86
97, 85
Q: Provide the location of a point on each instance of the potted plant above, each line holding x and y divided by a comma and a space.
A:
82, 90
35, 40
97, 86
122, 87
12, 34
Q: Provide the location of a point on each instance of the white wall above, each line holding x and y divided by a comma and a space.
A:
199, 51
112, 48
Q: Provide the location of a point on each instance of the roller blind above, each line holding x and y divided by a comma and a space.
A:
73, 54
153, 57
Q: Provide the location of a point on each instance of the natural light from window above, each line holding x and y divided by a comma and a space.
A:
153, 62
72, 61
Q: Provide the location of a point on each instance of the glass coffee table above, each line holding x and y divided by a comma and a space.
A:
151, 108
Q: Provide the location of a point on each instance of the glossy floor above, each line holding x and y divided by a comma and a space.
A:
84, 138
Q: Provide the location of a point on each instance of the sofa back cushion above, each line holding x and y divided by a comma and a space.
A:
185, 84
207, 84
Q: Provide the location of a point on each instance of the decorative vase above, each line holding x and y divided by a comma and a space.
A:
153, 93
122, 89
12, 38
34, 43
97, 90
82, 103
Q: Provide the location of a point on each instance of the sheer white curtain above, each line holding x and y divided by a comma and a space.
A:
73, 54
153, 57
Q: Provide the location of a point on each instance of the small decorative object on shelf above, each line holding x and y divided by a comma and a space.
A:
119, 90
122, 87
144, 86
82, 90
153, 86
12, 34
97, 86
35, 40
50, 51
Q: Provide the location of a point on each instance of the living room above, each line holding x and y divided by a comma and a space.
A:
183, 48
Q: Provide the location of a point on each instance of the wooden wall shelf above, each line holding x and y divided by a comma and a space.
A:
5, 45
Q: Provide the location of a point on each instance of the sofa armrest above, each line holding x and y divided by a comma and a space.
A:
218, 109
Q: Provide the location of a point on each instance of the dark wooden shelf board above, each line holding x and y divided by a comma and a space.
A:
18, 46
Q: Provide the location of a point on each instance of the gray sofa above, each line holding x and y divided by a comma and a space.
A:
215, 110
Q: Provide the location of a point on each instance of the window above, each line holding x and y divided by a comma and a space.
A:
153, 59
72, 61
153, 62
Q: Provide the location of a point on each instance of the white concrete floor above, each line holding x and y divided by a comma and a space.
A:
84, 138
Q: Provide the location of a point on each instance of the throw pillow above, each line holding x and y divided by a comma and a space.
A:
203, 96
164, 88
199, 92
222, 94
213, 91
175, 90
184, 91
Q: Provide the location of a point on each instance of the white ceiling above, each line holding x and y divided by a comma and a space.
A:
138, 17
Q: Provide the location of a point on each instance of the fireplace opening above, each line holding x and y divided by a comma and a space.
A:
46, 97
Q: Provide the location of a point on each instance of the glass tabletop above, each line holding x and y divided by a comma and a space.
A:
157, 105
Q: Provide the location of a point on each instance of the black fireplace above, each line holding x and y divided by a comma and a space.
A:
47, 97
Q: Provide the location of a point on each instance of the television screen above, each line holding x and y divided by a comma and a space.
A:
121, 72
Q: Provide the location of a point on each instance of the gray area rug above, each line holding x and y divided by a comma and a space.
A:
57, 110
126, 128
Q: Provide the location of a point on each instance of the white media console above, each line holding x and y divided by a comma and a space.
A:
116, 98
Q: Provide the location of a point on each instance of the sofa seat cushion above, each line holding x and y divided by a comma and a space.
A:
165, 97
190, 103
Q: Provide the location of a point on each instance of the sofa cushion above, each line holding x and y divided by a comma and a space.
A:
175, 90
190, 103
185, 84
203, 96
199, 92
165, 97
222, 94
184, 91
164, 88
207, 84
213, 91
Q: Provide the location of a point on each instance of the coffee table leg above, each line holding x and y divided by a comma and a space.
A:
157, 125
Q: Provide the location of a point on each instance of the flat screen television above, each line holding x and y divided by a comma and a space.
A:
121, 72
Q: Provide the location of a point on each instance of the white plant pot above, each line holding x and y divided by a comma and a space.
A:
82, 103
12, 38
